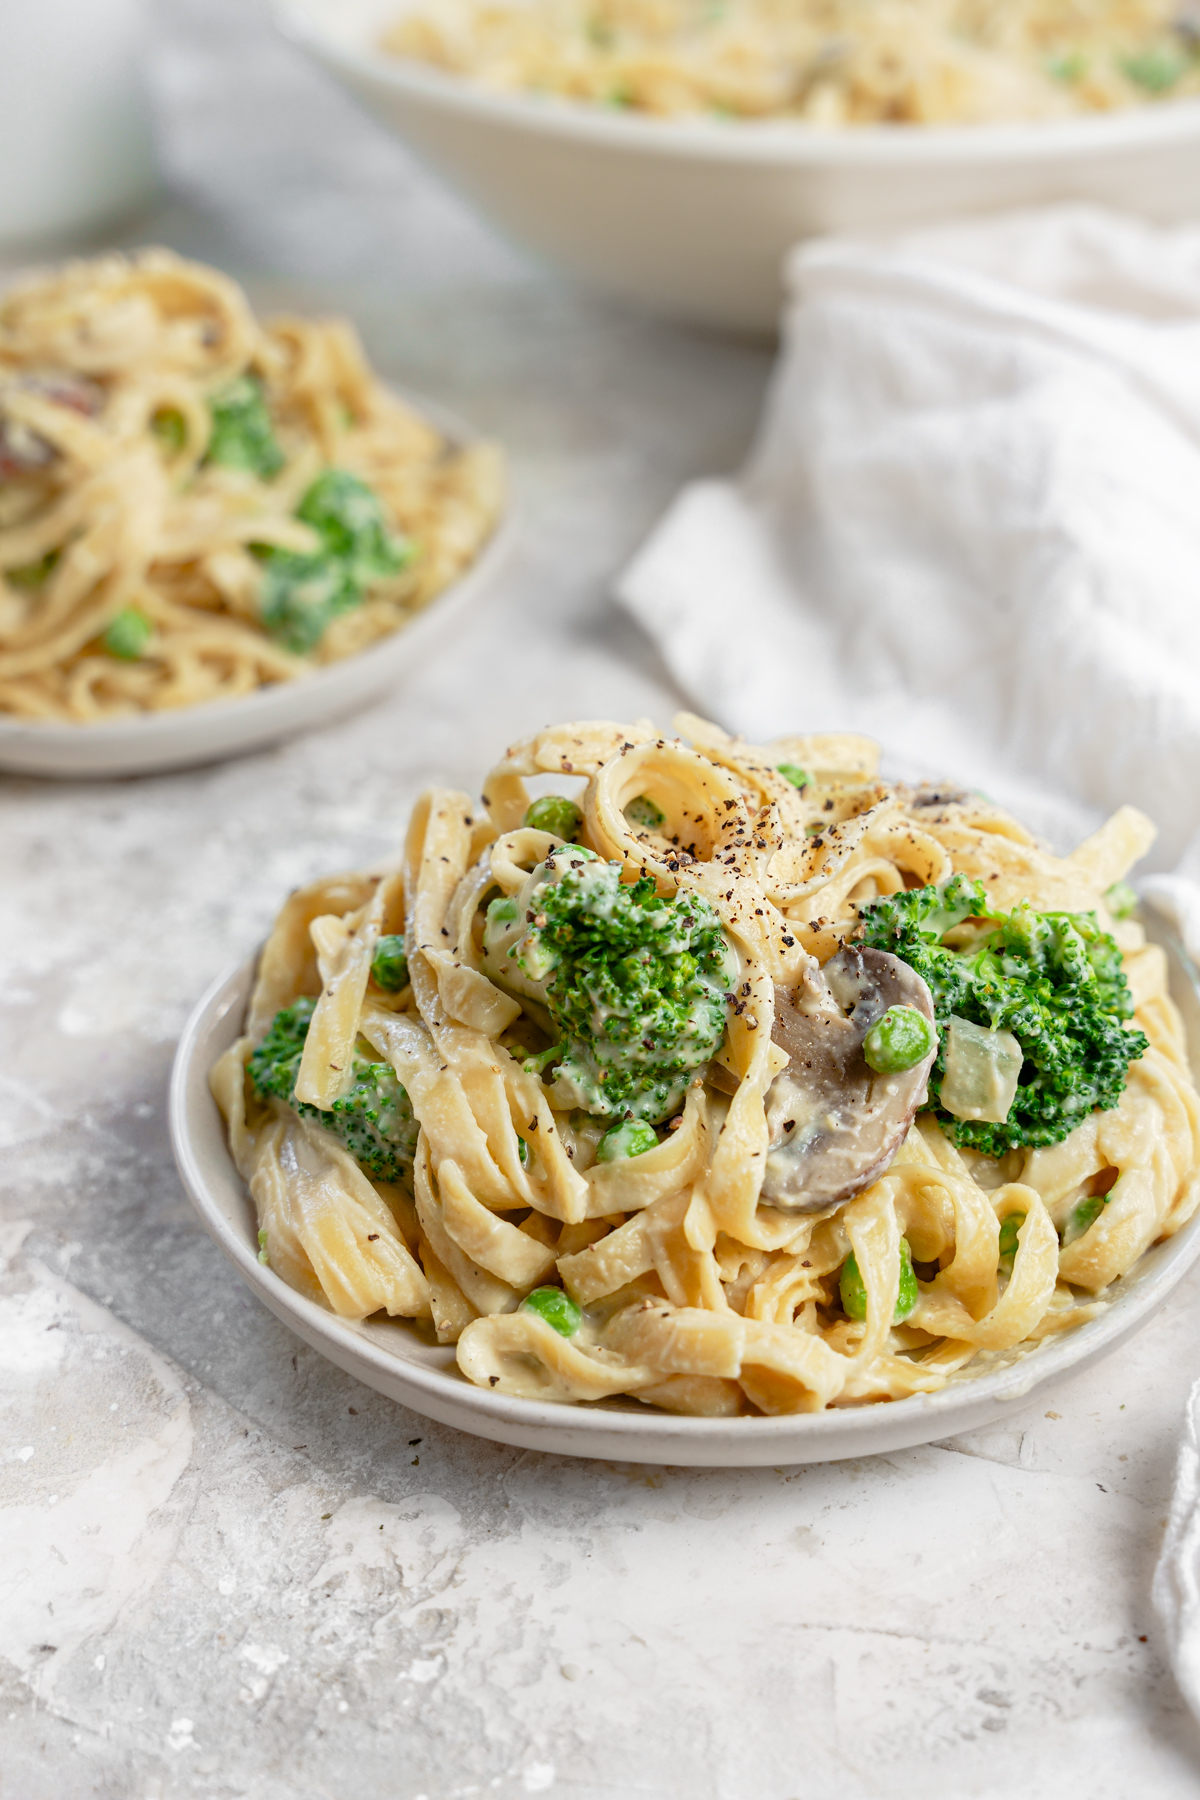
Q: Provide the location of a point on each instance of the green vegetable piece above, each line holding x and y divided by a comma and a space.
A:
644, 815
502, 910
523, 1152
1121, 900
34, 574
635, 983
1009, 1227
304, 591
854, 1293
262, 1248
533, 1065
793, 773
374, 1120
1068, 68
1084, 1216
170, 428
572, 854
900, 1040
242, 434
633, 1138
301, 597
556, 814
1156, 69
1052, 980
128, 634
555, 1307
389, 965
349, 519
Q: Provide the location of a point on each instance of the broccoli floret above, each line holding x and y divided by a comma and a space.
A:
635, 983
1052, 979
242, 434
374, 1119
348, 518
304, 591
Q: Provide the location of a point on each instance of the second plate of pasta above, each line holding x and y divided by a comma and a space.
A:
213, 530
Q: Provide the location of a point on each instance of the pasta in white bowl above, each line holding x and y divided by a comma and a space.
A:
620, 1097
693, 214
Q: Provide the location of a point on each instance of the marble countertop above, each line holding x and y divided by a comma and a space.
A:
226, 1570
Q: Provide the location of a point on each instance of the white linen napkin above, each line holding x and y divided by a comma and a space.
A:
1176, 1591
970, 525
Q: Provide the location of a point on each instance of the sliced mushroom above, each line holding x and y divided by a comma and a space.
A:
835, 1124
24, 451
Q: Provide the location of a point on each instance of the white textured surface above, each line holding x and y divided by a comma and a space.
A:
178, 1616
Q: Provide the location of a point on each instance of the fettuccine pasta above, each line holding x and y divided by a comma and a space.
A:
614, 1089
194, 505
826, 62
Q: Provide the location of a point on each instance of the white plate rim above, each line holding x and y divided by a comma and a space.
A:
783, 142
639, 1436
218, 729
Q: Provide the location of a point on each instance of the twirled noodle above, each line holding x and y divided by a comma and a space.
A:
829, 62
696, 1295
110, 500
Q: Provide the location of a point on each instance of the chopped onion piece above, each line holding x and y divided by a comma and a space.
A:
982, 1070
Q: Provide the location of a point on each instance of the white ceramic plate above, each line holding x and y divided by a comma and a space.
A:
150, 742
693, 217
390, 1356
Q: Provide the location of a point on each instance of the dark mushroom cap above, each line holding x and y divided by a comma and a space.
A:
835, 1124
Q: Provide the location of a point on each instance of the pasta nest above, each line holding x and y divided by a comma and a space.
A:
688, 1287
136, 535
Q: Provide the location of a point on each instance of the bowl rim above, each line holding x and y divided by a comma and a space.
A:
648, 1434
242, 713
786, 143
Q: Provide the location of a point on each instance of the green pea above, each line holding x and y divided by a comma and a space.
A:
555, 813
170, 428
1122, 900
900, 1040
793, 773
1156, 69
643, 813
389, 965
633, 1138
262, 1248
128, 634
1084, 1216
556, 1308
1068, 68
854, 1293
1009, 1227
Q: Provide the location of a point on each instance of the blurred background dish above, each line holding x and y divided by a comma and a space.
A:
199, 510
692, 217
819, 62
76, 139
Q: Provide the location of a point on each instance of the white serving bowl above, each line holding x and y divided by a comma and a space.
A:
693, 217
187, 735
390, 1356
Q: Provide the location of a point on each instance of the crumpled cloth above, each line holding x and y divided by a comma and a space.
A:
970, 525
1176, 1591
